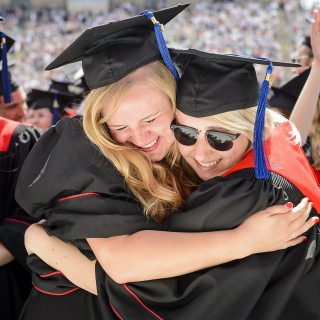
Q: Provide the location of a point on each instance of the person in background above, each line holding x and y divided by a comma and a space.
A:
46, 108
304, 55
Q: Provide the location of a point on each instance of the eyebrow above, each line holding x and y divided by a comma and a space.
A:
147, 117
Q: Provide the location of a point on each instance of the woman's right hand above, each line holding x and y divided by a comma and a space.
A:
277, 227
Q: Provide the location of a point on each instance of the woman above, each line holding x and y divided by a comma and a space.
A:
156, 148
46, 108
65, 144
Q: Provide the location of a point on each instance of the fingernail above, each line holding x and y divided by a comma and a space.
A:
289, 205
304, 239
316, 220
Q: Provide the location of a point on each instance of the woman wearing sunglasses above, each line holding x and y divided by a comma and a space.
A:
216, 134
193, 244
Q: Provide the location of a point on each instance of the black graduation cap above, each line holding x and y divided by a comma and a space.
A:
111, 51
214, 83
217, 83
65, 87
286, 96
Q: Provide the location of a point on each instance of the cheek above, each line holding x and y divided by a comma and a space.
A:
184, 151
120, 137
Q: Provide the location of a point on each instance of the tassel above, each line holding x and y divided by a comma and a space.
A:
55, 115
5, 71
261, 170
158, 28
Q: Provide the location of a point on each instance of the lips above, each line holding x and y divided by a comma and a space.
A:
208, 165
151, 146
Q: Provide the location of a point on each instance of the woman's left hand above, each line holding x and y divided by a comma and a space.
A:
315, 36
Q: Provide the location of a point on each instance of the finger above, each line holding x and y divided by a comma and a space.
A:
305, 227
279, 208
300, 209
295, 242
300, 217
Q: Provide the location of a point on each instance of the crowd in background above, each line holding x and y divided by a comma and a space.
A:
251, 28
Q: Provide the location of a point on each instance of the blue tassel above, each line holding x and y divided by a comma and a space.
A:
55, 115
5, 71
261, 170
162, 45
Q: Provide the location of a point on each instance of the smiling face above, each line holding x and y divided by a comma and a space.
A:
206, 161
142, 119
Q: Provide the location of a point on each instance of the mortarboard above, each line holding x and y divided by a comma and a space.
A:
217, 83
56, 102
65, 87
287, 95
111, 51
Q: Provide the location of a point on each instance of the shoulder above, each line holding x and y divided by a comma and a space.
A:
15, 132
239, 187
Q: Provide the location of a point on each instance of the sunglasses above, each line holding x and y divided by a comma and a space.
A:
188, 136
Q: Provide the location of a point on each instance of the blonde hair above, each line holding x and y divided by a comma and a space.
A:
157, 186
314, 133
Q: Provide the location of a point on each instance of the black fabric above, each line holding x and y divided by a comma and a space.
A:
286, 96
207, 76
76, 306
111, 51
68, 164
15, 277
262, 286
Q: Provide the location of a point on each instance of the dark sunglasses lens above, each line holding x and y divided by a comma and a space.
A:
220, 141
185, 136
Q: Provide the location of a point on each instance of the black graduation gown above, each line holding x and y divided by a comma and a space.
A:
68, 182
276, 285
16, 141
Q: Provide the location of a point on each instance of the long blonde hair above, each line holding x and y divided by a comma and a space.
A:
315, 138
157, 186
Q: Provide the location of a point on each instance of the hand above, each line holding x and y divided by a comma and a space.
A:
277, 227
315, 36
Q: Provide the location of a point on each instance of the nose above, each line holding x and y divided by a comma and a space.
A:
202, 150
139, 137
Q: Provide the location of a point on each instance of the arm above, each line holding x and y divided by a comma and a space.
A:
61, 256
5, 255
306, 104
148, 255
124, 257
